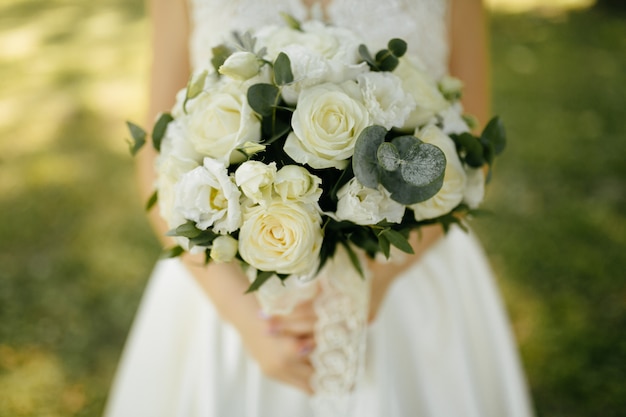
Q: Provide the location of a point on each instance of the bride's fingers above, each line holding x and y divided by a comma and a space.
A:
303, 327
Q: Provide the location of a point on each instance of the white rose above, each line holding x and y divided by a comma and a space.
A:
255, 180
385, 99
224, 249
284, 237
176, 158
326, 124
220, 121
475, 190
241, 65
295, 183
454, 181
366, 206
415, 81
208, 196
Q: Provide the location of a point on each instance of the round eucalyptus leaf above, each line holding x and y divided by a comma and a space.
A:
388, 156
427, 167
364, 160
397, 47
405, 193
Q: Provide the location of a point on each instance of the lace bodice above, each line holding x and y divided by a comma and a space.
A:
422, 23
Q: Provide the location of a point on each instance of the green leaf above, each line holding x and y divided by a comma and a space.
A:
397, 47
353, 258
188, 230
159, 130
152, 200
398, 240
220, 54
470, 146
172, 252
261, 277
388, 156
282, 69
365, 159
495, 134
422, 163
367, 57
386, 60
139, 137
291, 21
384, 244
263, 98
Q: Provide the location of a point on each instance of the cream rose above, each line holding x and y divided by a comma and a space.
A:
241, 65
208, 196
295, 183
220, 121
366, 206
255, 180
385, 99
284, 237
224, 249
454, 180
326, 124
429, 100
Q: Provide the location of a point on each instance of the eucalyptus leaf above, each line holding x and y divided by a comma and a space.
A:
407, 194
263, 98
386, 61
152, 200
385, 246
367, 57
388, 156
282, 69
159, 130
188, 230
422, 163
365, 160
139, 137
397, 47
471, 148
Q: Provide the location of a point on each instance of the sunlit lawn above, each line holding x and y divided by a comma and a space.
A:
76, 250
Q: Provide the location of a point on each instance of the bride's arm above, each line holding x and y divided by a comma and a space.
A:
282, 356
469, 62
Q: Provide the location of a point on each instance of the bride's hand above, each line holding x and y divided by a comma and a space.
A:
281, 345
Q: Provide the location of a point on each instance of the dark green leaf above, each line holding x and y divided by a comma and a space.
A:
422, 163
263, 98
282, 69
353, 258
152, 200
472, 149
138, 135
398, 240
159, 130
367, 57
261, 277
188, 230
172, 252
384, 244
397, 47
495, 134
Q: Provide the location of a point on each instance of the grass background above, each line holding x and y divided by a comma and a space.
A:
76, 250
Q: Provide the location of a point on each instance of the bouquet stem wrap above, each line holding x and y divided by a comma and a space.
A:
341, 304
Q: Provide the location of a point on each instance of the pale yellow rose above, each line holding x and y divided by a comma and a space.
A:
295, 183
224, 249
284, 237
241, 65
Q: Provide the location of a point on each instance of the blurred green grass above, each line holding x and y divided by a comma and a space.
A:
76, 249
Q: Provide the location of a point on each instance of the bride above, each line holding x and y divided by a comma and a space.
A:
438, 341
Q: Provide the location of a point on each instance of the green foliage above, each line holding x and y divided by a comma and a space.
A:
154, 197
291, 21
411, 170
219, 54
159, 130
385, 59
264, 98
282, 70
138, 136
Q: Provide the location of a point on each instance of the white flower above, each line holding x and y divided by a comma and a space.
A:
366, 206
415, 81
385, 99
255, 180
284, 237
241, 65
475, 190
451, 87
220, 121
209, 197
452, 120
326, 124
224, 249
295, 183
454, 181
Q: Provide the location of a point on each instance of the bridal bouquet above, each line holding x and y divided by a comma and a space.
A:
298, 141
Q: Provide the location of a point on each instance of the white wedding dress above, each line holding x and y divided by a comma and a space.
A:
441, 345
